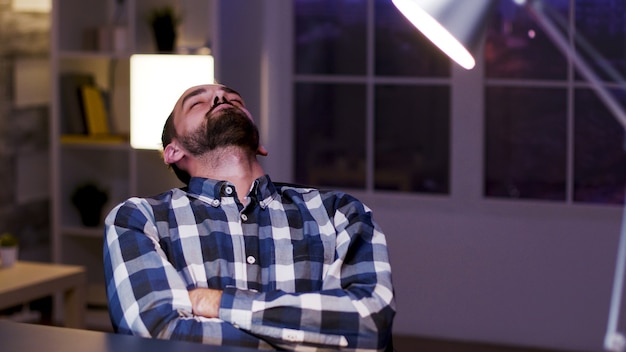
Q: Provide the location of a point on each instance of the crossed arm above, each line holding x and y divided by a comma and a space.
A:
205, 302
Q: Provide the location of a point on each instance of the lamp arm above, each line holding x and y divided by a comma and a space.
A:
613, 340
583, 44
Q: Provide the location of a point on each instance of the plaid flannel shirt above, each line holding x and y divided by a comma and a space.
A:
299, 268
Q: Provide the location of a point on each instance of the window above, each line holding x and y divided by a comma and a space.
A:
372, 99
373, 106
548, 136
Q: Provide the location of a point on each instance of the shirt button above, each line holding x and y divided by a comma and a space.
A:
251, 259
229, 190
244, 217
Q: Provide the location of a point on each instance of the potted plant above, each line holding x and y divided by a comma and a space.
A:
89, 200
164, 22
9, 246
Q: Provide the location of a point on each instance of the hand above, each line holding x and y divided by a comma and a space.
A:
205, 302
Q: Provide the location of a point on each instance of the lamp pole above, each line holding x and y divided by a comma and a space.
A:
613, 340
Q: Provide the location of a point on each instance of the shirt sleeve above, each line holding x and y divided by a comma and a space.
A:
146, 295
353, 311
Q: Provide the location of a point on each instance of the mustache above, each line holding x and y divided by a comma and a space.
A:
217, 105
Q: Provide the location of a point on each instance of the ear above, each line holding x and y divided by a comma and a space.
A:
261, 151
172, 153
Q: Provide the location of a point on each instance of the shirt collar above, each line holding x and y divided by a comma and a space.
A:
263, 189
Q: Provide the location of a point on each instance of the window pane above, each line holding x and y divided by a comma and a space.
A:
601, 34
599, 157
330, 36
330, 134
401, 50
516, 47
525, 133
412, 137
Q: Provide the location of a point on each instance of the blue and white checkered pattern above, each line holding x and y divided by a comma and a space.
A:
300, 269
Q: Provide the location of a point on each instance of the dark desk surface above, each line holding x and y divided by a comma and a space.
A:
18, 337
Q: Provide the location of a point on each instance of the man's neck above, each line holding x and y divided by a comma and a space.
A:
232, 164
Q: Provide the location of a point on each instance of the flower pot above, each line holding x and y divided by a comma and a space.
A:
91, 214
164, 22
89, 200
165, 37
8, 255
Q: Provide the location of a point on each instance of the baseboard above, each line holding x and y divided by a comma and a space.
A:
407, 343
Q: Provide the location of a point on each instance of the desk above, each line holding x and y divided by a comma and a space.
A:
19, 337
28, 281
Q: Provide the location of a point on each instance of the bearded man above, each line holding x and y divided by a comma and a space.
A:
236, 259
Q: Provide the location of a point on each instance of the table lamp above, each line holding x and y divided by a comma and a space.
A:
455, 27
156, 82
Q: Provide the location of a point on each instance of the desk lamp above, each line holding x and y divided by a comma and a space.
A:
457, 26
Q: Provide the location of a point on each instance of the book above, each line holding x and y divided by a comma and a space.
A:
94, 110
71, 102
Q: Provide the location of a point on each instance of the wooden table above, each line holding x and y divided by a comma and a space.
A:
19, 337
28, 281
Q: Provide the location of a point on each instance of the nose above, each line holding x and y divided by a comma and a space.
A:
219, 99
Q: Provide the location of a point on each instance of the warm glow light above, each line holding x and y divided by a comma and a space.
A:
156, 82
436, 33
32, 5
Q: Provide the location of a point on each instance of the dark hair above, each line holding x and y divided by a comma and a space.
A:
169, 133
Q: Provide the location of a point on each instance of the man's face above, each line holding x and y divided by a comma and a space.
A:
212, 116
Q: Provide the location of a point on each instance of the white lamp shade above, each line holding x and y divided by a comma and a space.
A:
453, 26
156, 82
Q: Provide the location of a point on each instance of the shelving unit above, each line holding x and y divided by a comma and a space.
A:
109, 162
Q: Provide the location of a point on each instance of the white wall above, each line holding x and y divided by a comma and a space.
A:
530, 275
525, 273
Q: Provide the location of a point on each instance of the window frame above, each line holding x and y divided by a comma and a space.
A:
466, 130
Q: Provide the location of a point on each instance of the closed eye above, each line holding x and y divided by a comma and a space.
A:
194, 103
237, 101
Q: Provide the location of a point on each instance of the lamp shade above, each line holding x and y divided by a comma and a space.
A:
455, 27
156, 82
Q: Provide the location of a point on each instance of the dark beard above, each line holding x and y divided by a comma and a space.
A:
231, 128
